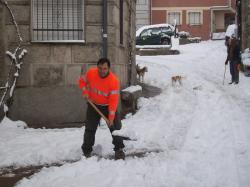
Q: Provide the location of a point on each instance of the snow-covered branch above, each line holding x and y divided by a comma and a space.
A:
16, 61
13, 21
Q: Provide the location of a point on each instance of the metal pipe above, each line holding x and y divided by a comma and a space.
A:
104, 30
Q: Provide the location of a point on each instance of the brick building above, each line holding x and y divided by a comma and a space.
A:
199, 18
63, 39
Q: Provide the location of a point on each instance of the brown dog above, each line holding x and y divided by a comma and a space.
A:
176, 79
141, 72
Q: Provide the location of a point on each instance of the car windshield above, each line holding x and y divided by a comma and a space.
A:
166, 29
151, 31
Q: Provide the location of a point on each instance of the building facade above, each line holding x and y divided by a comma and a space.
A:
199, 18
143, 13
63, 39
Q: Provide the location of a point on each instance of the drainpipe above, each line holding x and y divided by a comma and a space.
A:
104, 30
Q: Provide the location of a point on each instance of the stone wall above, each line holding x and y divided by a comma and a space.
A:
47, 93
245, 13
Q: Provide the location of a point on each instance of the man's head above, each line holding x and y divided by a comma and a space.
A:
103, 66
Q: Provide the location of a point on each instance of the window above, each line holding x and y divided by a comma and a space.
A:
194, 18
57, 20
167, 30
146, 32
172, 16
150, 32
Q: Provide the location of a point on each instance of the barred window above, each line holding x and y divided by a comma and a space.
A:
194, 18
172, 16
57, 20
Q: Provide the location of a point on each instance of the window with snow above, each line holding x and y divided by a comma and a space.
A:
194, 18
57, 20
174, 16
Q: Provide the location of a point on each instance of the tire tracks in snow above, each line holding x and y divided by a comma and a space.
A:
237, 109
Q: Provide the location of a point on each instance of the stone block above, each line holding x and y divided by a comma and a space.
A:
12, 36
61, 54
24, 78
73, 73
38, 54
94, 34
85, 54
113, 15
94, 14
21, 14
129, 101
49, 106
48, 74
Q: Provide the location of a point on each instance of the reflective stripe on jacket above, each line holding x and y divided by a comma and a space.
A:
102, 91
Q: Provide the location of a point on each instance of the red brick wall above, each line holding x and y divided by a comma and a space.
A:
188, 3
195, 30
158, 16
202, 31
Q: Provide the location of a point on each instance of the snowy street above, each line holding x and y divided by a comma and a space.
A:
197, 134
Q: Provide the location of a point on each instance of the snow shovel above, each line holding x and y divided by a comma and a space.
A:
224, 74
107, 121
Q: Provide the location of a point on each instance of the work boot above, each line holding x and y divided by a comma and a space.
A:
119, 154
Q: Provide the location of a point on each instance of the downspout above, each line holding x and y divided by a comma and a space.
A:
104, 29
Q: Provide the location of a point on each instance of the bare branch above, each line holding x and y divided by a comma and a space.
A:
16, 62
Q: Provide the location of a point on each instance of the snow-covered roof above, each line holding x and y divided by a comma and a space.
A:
138, 32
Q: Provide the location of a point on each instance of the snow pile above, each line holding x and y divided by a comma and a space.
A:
132, 89
198, 133
246, 57
183, 34
219, 36
175, 43
152, 46
6, 123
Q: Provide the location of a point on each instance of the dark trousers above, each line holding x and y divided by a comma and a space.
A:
93, 119
234, 71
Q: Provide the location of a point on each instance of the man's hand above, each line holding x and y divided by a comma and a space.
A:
238, 67
111, 123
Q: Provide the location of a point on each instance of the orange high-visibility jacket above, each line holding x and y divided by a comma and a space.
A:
101, 91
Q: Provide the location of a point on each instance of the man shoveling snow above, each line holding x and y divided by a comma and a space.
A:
101, 89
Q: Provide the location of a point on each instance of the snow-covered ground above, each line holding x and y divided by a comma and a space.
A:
201, 130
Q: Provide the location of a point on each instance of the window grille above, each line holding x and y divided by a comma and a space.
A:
194, 18
172, 16
57, 20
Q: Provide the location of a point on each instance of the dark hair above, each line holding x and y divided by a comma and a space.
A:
103, 61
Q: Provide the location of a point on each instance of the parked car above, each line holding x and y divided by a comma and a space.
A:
159, 34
